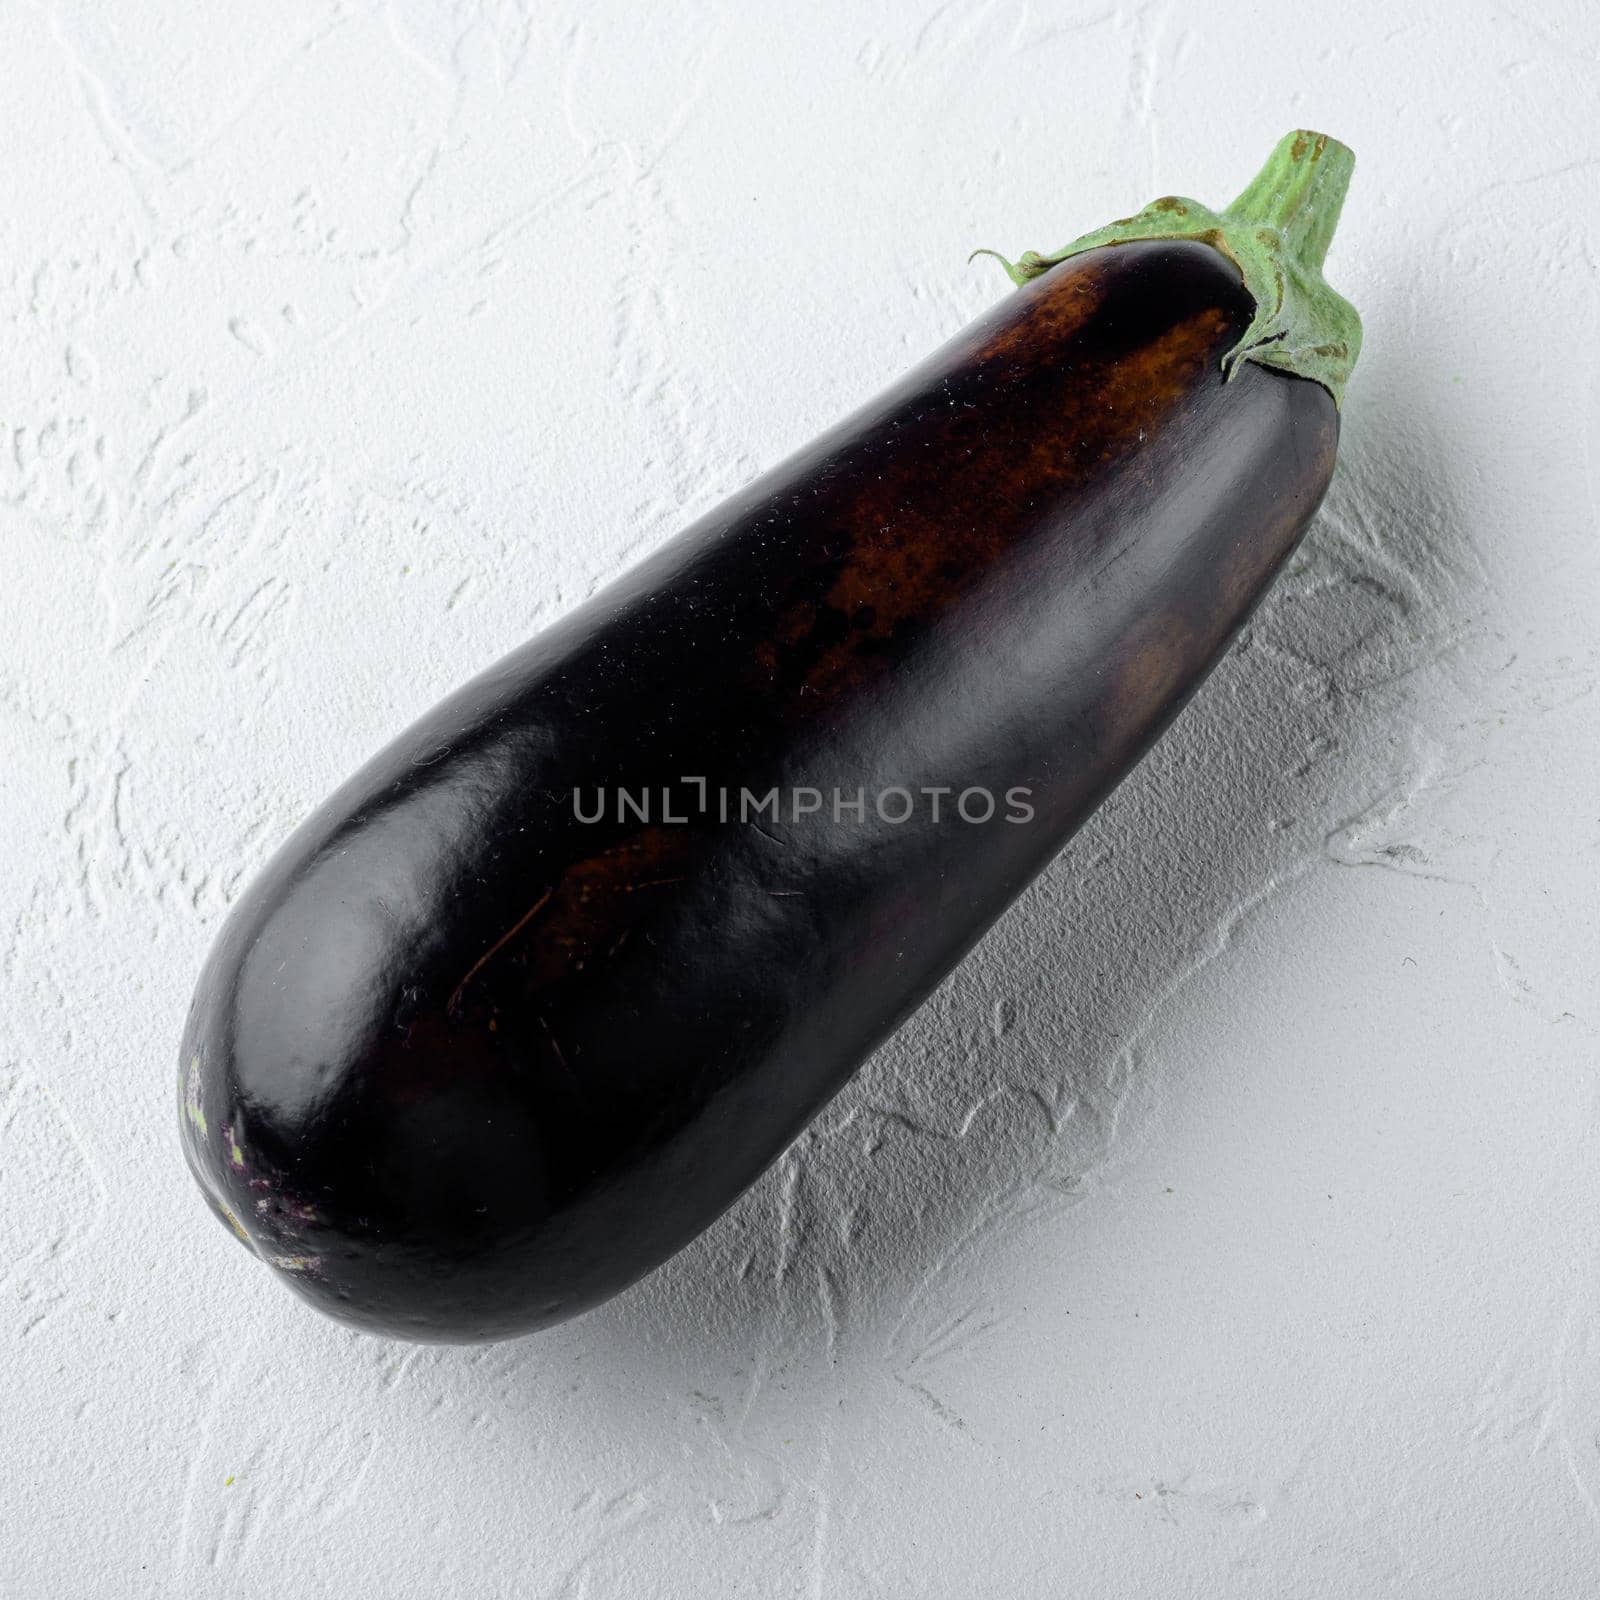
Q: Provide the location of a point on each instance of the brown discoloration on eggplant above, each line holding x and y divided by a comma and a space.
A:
1055, 318
910, 542
597, 902
917, 545
1161, 654
513, 1060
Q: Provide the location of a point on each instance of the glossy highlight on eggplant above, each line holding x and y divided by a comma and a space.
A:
477, 1050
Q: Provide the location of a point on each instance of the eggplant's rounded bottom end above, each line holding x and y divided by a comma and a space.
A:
445, 1311
395, 1292
399, 1224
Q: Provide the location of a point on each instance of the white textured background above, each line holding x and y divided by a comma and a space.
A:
1227, 1227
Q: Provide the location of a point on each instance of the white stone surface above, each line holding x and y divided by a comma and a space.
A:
1226, 1226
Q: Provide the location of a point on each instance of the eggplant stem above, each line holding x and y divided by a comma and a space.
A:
1277, 234
1299, 194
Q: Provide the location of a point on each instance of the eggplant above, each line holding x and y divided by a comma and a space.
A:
541, 990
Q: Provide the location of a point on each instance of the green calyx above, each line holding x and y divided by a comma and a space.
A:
1277, 233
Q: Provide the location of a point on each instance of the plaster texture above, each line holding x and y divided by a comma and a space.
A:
1226, 1225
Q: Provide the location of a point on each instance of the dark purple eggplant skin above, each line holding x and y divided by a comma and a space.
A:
462, 1065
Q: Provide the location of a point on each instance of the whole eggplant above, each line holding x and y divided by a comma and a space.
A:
551, 980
